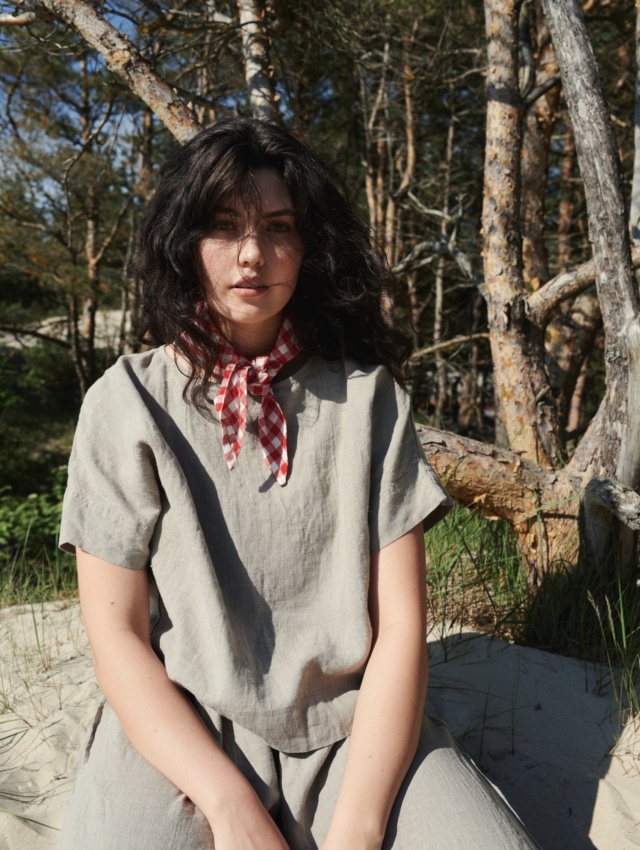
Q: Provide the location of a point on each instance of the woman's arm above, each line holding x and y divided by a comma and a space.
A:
388, 715
158, 720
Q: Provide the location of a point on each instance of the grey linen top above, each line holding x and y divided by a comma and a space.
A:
261, 595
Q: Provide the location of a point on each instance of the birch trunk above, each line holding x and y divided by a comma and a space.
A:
257, 71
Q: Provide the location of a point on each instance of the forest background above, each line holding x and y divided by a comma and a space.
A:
492, 147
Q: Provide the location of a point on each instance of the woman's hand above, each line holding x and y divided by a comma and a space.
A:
246, 825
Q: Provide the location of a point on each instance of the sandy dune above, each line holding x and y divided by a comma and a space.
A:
544, 728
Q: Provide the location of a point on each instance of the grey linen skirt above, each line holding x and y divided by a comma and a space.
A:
121, 802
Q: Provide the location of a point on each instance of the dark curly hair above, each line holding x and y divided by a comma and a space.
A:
337, 307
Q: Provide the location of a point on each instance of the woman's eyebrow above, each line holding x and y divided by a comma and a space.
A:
276, 213
271, 214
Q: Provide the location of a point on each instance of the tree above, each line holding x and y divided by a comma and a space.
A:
517, 319
66, 189
378, 73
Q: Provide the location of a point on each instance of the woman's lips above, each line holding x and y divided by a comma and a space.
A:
248, 288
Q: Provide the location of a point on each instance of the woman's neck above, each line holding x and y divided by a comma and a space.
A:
251, 340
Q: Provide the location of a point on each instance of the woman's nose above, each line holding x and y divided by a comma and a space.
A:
251, 251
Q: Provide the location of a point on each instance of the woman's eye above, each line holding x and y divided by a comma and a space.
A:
222, 225
279, 227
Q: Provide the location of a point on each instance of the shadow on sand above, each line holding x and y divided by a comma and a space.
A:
543, 728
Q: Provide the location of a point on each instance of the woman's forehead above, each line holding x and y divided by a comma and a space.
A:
266, 194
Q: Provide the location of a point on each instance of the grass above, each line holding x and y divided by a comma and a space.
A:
29, 579
32, 569
474, 574
621, 641
476, 577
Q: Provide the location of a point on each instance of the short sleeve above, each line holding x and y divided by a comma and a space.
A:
404, 488
112, 501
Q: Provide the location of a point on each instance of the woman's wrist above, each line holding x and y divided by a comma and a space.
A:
232, 798
356, 835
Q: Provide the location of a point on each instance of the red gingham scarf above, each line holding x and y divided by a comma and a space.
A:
241, 375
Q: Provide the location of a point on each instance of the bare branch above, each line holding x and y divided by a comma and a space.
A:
621, 501
22, 20
114, 229
416, 254
540, 304
425, 210
445, 345
543, 88
380, 93
18, 332
415, 260
124, 60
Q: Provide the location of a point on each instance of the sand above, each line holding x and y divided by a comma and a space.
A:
545, 729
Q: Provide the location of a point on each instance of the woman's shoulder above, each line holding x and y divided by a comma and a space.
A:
142, 367
373, 380
355, 388
132, 381
345, 370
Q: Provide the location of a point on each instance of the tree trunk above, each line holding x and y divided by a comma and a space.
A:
565, 207
258, 73
612, 442
76, 349
634, 213
470, 412
441, 363
539, 123
526, 405
576, 406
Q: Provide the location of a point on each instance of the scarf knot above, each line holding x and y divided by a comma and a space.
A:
240, 376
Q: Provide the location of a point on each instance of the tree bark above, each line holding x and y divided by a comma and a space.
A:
124, 60
541, 504
258, 73
612, 443
441, 363
565, 207
634, 213
526, 405
539, 123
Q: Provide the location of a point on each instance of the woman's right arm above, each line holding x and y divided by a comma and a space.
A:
158, 720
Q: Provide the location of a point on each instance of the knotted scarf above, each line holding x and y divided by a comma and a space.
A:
241, 375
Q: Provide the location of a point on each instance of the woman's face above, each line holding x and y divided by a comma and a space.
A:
250, 262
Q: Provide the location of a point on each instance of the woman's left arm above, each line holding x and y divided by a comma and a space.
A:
388, 715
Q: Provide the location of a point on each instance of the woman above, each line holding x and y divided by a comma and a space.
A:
258, 478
